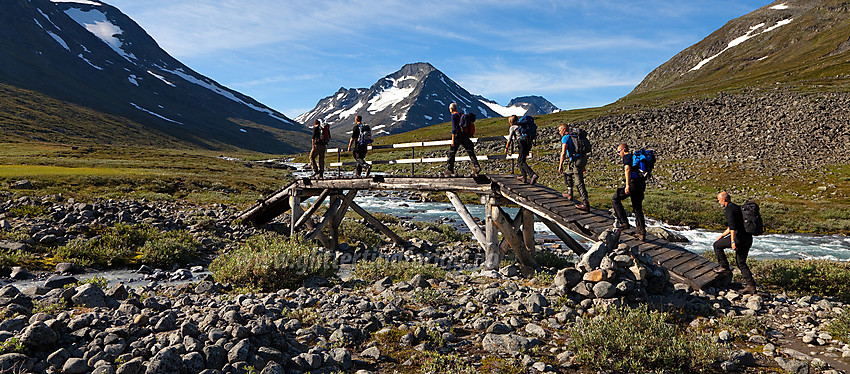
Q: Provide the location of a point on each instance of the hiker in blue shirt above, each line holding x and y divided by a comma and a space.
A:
463, 128
575, 167
634, 189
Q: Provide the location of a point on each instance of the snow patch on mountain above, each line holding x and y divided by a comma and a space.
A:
96, 22
84, 2
160, 77
389, 97
154, 114
750, 34
505, 111
59, 40
89, 62
780, 6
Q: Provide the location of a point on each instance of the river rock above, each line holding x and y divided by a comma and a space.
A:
166, 361
505, 343
39, 336
90, 296
14, 363
59, 281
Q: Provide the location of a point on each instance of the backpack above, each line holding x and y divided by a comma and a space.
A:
467, 124
645, 160
365, 137
753, 224
580, 142
527, 129
326, 135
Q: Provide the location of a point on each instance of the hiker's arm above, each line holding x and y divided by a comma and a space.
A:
727, 232
453, 139
350, 141
732, 232
628, 170
563, 154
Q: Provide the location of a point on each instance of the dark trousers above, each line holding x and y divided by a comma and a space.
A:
359, 154
636, 191
461, 140
318, 151
743, 242
522, 162
576, 169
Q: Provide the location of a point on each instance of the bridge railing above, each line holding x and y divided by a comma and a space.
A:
413, 160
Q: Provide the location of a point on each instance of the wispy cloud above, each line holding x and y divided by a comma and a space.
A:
522, 81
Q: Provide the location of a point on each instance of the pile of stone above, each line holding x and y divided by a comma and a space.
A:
611, 271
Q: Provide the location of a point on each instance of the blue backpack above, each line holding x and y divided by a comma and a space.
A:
645, 160
527, 129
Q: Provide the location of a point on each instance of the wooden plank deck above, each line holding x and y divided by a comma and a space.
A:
546, 202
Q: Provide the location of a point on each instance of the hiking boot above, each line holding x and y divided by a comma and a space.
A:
640, 235
567, 195
521, 179
476, 169
583, 207
368, 169
623, 226
749, 289
723, 271
449, 173
533, 179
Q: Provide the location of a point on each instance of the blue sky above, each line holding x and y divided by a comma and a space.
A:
290, 54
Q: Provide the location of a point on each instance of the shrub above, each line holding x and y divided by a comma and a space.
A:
434, 232
173, 247
371, 271
810, 277
640, 340
29, 210
551, 259
436, 363
99, 282
124, 245
352, 231
271, 262
840, 328
11, 345
430, 297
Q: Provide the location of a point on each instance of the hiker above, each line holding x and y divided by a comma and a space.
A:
361, 137
463, 127
321, 137
634, 189
575, 167
516, 135
737, 238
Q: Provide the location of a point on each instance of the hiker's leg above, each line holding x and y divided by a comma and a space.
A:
469, 146
580, 166
637, 191
720, 251
741, 258
617, 202
357, 157
322, 149
450, 165
314, 152
521, 162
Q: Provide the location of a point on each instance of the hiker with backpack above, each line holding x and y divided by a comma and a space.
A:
634, 189
737, 238
463, 128
361, 137
321, 137
522, 133
575, 147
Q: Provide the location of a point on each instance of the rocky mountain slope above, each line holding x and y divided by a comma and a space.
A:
416, 96
90, 54
800, 43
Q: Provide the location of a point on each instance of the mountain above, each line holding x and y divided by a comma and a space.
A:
418, 95
89, 54
794, 43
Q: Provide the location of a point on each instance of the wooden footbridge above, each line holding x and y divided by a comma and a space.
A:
536, 202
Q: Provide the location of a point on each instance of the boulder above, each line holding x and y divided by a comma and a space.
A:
505, 343
39, 336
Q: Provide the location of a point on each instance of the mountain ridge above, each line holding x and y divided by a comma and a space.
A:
90, 54
415, 96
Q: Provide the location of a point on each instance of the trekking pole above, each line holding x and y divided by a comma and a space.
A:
338, 162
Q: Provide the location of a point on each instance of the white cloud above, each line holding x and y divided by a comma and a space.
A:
521, 81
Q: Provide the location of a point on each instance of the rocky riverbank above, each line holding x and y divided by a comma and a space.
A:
328, 326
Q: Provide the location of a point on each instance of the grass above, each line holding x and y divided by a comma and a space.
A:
270, 262
840, 328
810, 277
641, 341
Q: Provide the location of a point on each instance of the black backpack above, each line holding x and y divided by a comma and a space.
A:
581, 144
365, 137
467, 124
753, 224
527, 128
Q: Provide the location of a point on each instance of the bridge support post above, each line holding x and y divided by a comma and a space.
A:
492, 253
295, 206
528, 229
467, 219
